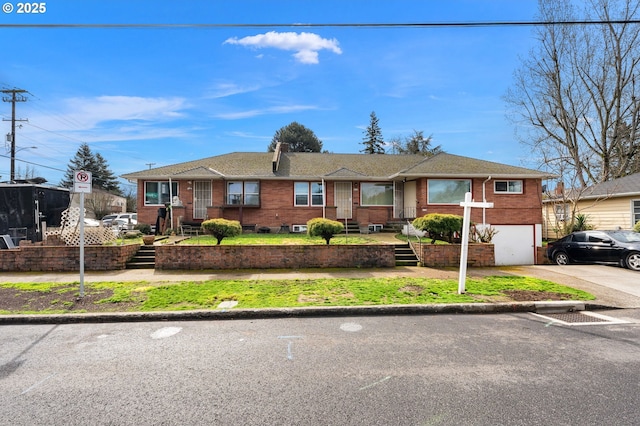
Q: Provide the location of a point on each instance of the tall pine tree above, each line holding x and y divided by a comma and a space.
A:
105, 178
102, 176
372, 141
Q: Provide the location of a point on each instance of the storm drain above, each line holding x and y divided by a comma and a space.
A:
580, 318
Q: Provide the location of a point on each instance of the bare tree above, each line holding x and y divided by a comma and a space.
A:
575, 94
414, 144
99, 203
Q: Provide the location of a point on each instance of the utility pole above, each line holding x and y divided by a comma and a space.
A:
16, 96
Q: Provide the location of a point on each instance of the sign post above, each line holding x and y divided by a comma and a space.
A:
82, 184
468, 203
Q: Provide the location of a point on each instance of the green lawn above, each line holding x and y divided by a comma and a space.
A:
21, 298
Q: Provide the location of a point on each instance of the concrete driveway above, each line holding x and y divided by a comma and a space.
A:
612, 285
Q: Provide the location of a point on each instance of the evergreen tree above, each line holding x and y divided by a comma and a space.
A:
102, 176
298, 137
372, 141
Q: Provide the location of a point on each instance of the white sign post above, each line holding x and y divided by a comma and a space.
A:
82, 185
464, 253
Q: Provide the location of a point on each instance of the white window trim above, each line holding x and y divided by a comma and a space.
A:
243, 194
508, 191
309, 194
456, 203
633, 212
159, 182
362, 184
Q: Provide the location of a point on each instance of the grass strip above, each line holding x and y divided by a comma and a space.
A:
144, 296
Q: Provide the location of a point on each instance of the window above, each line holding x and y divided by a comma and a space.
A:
305, 190
376, 194
562, 212
243, 193
508, 186
157, 193
447, 191
635, 214
598, 237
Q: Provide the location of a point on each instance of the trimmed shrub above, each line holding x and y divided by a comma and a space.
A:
636, 227
144, 228
439, 226
325, 228
222, 228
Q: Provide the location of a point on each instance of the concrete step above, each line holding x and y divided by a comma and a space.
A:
145, 258
405, 256
141, 265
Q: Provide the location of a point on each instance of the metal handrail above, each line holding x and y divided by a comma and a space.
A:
418, 251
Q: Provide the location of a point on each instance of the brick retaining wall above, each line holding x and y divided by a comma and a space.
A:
39, 258
190, 257
445, 255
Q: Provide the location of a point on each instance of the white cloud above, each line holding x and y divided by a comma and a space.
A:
271, 110
223, 90
59, 130
306, 45
91, 111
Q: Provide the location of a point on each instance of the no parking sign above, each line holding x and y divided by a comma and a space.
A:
82, 181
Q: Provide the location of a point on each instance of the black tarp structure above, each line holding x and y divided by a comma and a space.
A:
25, 207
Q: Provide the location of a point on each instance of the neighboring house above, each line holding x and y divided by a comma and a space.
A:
102, 200
608, 205
289, 188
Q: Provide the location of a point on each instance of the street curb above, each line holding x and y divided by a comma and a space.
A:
306, 312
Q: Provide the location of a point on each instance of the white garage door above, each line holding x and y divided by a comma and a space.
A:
514, 244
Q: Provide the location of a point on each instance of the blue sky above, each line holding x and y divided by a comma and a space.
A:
175, 93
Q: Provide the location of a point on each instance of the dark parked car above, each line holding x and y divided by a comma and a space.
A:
620, 247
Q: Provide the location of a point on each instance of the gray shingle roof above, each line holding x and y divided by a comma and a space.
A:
297, 165
624, 186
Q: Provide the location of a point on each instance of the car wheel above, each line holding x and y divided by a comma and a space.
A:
633, 261
561, 258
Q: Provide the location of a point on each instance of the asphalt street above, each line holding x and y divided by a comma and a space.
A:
509, 369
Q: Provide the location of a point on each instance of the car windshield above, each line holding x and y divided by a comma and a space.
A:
626, 236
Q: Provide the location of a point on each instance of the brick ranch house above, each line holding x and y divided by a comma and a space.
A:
276, 189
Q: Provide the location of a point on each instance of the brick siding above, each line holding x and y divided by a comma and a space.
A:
277, 198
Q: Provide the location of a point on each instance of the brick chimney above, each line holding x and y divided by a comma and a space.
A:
280, 148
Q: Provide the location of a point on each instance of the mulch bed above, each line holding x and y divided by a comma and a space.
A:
13, 300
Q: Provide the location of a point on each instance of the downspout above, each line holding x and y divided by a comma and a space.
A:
324, 200
484, 200
171, 202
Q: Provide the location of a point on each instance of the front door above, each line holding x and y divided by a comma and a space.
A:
410, 198
343, 200
201, 198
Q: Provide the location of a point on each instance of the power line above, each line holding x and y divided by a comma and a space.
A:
34, 164
336, 24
